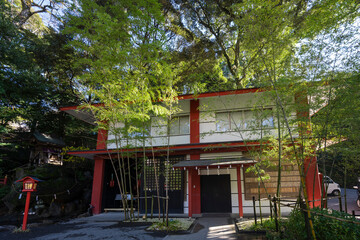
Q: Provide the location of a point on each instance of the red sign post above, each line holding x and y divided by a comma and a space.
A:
29, 185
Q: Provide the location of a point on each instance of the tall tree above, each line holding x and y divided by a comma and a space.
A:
36, 79
236, 33
127, 68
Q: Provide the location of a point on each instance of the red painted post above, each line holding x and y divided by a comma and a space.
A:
193, 176
27, 204
98, 181
194, 122
313, 189
312, 179
29, 185
194, 192
99, 167
241, 214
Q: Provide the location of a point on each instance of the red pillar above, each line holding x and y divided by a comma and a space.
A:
312, 181
194, 121
241, 214
27, 204
194, 192
312, 178
98, 179
102, 139
193, 176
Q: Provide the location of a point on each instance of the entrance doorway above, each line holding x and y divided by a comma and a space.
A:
215, 193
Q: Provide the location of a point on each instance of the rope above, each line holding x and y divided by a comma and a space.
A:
321, 214
67, 191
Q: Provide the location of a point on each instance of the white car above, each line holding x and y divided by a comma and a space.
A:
331, 186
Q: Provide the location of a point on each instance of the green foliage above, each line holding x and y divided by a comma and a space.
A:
78, 164
4, 191
325, 228
337, 128
36, 79
242, 37
123, 48
20, 77
35, 75
267, 225
172, 226
66, 183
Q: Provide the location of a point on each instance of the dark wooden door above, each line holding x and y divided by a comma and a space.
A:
215, 194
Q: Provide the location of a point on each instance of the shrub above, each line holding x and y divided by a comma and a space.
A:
161, 226
4, 191
267, 225
325, 227
328, 228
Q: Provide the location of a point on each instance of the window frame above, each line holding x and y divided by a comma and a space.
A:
174, 121
178, 125
241, 125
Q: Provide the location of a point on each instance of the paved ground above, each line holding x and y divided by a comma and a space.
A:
351, 197
102, 226
209, 228
109, 226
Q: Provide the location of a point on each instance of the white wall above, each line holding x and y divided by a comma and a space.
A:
158, 131
248, 209
208, 133
248, 101
231, 171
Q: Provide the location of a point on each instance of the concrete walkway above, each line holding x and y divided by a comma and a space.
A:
98, 227
209, 228
110, 226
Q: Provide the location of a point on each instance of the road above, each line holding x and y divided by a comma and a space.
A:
351, 197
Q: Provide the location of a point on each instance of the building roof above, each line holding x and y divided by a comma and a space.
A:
86, 116
183, 148
48, 139
213, 162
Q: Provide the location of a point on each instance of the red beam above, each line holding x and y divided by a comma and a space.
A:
178, 147
223, 93
78, 107
189, 96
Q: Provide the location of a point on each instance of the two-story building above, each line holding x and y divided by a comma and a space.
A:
212, 139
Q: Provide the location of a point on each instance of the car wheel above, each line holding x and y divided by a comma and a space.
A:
358, 202
336, 192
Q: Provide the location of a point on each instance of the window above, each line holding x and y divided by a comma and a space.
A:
176, 179
244, 120
180, 125
136, 129
175, 175
229, 121
223, 122
268, 122
267, 119
150, 173
248, 120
